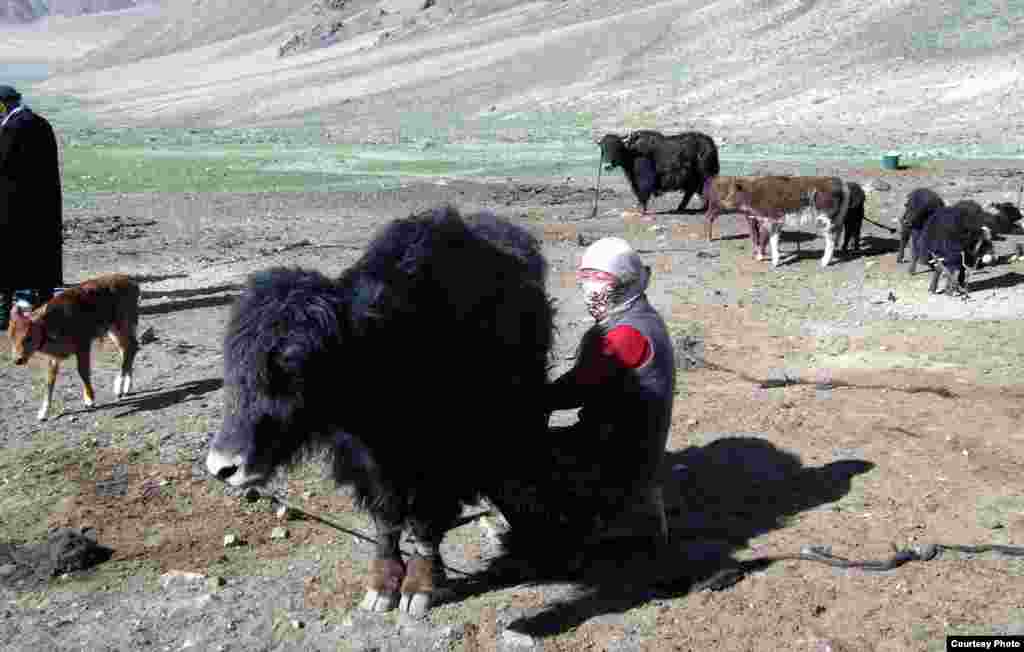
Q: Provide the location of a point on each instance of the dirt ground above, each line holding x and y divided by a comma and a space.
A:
900, 425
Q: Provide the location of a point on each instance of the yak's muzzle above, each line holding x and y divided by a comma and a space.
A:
231, 469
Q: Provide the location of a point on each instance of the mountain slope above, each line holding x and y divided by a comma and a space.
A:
847, 71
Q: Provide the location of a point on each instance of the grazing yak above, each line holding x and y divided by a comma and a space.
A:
1003, 220
923, 202
920, 205
423, 368
1008, 216
655, 164
957, 238
769, 202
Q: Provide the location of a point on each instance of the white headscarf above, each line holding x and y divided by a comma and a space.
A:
612, 276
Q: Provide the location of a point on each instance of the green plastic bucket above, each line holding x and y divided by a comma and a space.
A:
891, 162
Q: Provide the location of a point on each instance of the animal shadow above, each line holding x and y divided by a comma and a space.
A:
147, 401
1007, 280
717, 498
155, 278
194, 298
798, 237
872, 246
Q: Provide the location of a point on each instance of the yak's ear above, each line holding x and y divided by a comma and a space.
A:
371, 303
366, 298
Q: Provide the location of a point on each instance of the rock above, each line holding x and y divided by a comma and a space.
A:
72, 550
182, 577
279, 533
877, 185
252, 494
516, 639
148, 336
297, 624
232, 541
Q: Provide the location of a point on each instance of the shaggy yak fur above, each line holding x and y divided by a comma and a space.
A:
958, 238
770, 202
422, 368
920, 205
655, 164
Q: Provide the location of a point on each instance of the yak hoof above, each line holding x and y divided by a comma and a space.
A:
376, 601
415, 604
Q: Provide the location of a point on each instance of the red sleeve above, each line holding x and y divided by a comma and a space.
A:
627, 346
623, 347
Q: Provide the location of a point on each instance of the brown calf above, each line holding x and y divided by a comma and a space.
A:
67, 325
769, 202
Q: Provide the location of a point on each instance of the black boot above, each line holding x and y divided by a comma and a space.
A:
6, 301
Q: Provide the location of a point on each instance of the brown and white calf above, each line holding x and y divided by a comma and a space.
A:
68, 323
771, 202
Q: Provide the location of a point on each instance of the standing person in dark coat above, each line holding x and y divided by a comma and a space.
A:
30, 204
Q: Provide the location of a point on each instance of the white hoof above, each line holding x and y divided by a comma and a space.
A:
41, 415
379, 602
415, 604
118, 383
126, 385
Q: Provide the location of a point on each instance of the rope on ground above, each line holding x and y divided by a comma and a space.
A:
823, 554
355, 533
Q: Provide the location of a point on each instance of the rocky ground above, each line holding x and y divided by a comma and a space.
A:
829, 414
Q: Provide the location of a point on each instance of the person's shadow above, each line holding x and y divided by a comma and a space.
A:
717, 498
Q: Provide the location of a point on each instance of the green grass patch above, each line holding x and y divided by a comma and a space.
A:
34, 483
997, 512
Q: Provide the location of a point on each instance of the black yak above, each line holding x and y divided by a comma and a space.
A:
958, 238
655, 164
854, 221
422, 367
1003, 220
920, 205
1009, 216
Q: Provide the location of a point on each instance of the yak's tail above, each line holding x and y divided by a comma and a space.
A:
709, 162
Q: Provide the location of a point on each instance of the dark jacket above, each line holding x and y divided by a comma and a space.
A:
30, 204
625, 421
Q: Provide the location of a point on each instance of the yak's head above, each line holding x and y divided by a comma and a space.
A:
279, 367
25, 333
919, 205
1010, 213
982, 251
614, 152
